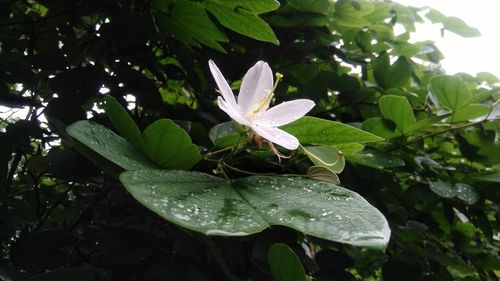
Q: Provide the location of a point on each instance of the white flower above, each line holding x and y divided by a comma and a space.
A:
252, 108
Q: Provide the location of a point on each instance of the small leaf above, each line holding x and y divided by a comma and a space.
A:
224, 135
122, 121
284, 264
350, 13
449, 91
243, 22
109, 145
323, 174
244, 206
391, 76
170, 146
462, 191
398, 110
314, 6
326, 156
311, 130
459, 27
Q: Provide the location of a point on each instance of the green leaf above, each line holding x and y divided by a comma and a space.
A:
449, 91
65, 274
109, 145
243, 22
326, 156
380, 127
462, 191
487, 177
311, 130
391, 76
488, 77
314, 6
244, 206
255, 6
224, 135
122, 121
459, 27
424, 123
469, 112
284, 264
398, 110
375, 159
350, 13
189, 22
323, 174
170, 146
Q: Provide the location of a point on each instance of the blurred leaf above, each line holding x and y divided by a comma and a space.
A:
284, 264
224, 134
375, 159
470, 112
380, 127
350, 12
462, 191
449, 91
244, 206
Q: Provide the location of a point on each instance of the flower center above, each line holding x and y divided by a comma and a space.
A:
263, 104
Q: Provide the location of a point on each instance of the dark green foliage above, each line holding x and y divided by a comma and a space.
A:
64, 214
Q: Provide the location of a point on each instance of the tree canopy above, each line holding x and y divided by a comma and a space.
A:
124, 166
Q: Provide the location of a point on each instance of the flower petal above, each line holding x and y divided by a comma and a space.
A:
255, 87
233, 113
222, 84
285, 113
277, 136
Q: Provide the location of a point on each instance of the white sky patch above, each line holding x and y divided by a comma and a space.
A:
469, 55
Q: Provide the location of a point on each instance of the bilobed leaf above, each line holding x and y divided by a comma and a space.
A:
391, 76
244, 206
311, 130
122, 121
243, 22
462, 191
284, 264
109, 145
170, 146
323, 174
398, 110
449, 91
326, 156
189, 22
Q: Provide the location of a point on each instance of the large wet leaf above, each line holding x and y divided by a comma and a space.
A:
244, 206
109, 145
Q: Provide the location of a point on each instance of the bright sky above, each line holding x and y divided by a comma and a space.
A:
470, 55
